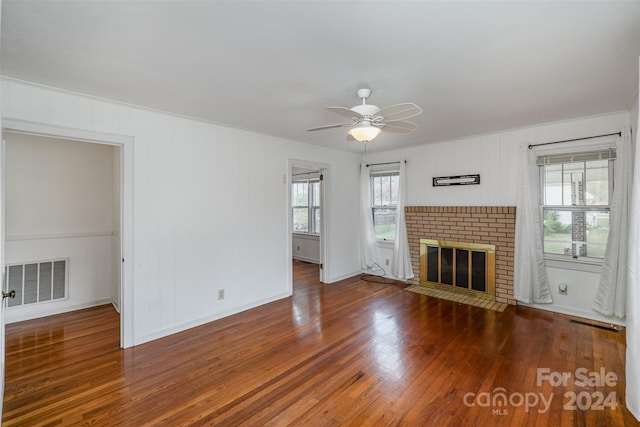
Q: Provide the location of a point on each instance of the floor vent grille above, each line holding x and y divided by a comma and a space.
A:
36, 282
594, 325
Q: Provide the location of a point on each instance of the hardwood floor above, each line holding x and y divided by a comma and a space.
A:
349, 353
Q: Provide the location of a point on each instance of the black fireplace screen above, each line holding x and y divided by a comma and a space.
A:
459, 268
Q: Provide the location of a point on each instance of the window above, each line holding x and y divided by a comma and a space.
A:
305, 201
575, 193
384, 200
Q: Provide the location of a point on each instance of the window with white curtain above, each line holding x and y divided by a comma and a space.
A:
384, 201
305, 201
575, 194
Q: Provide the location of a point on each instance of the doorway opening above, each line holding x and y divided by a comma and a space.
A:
307, 214
67, 196
62, 216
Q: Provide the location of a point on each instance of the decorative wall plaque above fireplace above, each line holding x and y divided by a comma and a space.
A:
464, 267
440, 181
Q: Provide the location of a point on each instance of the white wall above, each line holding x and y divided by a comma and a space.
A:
306, 247
199, 222
495, 158
59, 204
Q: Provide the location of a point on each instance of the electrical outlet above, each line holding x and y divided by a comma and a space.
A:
562, 289
386, 262
298, 249
220, 293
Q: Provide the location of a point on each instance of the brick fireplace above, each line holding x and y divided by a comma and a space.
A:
491, 225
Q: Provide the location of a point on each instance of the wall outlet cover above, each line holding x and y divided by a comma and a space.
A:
562, 288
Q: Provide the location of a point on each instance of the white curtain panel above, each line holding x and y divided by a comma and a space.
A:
401, 261
369, 254
530, 276
633, 292
612, 291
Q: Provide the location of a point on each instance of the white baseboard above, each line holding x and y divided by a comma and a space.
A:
198, 322
20, 314
344, 276
305, 259
591, 315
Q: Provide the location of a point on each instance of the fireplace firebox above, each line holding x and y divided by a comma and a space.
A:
463, 267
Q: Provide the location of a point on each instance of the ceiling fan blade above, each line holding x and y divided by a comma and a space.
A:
330, 127
398, 126
346, 112
400, 112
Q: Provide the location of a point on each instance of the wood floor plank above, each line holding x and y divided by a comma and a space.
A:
348, 353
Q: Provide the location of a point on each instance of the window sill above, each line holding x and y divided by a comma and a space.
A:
580, 264
386, 243
305, 235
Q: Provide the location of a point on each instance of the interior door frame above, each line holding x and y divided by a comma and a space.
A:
126, 203
2, 258
325, 266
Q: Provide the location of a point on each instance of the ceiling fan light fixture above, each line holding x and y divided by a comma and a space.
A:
364, 132
367, 120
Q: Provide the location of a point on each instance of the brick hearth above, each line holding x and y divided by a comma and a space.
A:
494, 225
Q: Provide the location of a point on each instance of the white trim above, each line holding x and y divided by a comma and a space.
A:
127, 104
534, 127
591, 315
13, 316
608, 142
306, 259
345, 276
2, 281
306, 236
324, 218
39, 129
59, 236
324, 224
580, 264
127, 321
161, 333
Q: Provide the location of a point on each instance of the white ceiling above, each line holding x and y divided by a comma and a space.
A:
272, 67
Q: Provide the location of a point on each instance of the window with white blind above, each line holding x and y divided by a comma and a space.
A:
305, 201
384, 201
575, 194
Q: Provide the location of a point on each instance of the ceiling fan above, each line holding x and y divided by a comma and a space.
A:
369, 120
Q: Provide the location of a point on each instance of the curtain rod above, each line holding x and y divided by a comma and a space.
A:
387, 163
576, 139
